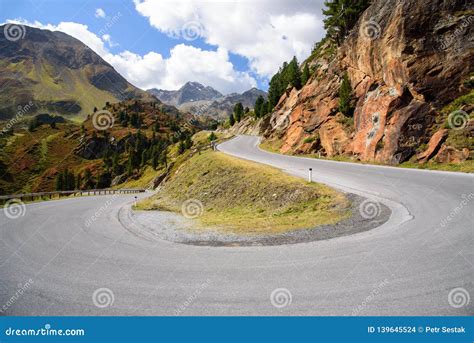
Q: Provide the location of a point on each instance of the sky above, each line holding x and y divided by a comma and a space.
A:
229, 45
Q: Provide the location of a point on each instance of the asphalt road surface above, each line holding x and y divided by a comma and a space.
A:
74, 256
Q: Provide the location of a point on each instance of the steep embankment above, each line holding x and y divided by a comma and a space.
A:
246, 198
411, 77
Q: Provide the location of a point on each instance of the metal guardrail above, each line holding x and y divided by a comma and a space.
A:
59, 194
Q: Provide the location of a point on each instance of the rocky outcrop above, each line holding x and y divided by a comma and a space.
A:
406, 60
247, 126
433, 145
449, 154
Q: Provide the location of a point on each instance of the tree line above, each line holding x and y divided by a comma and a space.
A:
341, 16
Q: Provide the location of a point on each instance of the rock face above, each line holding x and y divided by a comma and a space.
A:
406, 61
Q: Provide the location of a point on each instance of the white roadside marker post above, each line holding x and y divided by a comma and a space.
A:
310, 175
135, 200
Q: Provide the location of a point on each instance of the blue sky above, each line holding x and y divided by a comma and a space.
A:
229, 45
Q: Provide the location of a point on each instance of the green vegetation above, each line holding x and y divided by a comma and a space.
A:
326, 48
460, 137
212, 137
32, 124
341, 16
238, 111
288, 75
465, 167
67, 156
467, 99
272, 145
248, 198
345, 96
201, 143
261, 107
65, 181
231, 119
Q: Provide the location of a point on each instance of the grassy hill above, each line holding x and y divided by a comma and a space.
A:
59, 75
245, 197
137, 143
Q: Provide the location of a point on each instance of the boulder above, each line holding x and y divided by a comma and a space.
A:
449, 154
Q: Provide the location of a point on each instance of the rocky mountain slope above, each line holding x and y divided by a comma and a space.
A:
189, 92
58, 74
195, 98
410, 66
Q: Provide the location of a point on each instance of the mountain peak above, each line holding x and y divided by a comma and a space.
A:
192, 84
64, 62
191, 91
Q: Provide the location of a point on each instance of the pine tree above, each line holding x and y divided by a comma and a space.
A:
72, 182
103, 181
231, 119
66, 181
79, 181
88, 180
181, 147
116, 167
258, 106
154, 158
212, 137
144, 158
33, 124
59, 182
164, 157
345, 95
188, 142
238, 111
134, 120
294, 73
341, 16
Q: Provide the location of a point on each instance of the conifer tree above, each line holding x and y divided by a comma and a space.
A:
345, 95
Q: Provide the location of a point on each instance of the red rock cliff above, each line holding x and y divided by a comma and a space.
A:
406, 60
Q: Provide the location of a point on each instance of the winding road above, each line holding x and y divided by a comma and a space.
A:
74, 256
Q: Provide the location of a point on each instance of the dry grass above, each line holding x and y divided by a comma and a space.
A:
248, 198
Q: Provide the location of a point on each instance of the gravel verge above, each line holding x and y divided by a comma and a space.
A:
366, 215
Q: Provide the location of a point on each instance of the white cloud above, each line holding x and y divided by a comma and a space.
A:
99, 13
186, 63
266, 32
108, 39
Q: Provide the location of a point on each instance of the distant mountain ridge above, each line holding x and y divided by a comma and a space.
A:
191, 91
58, 74
198, 99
